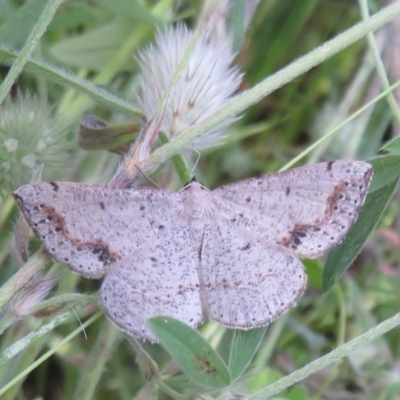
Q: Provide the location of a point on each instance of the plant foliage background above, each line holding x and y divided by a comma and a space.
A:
39, 124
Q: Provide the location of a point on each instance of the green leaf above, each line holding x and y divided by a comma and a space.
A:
244, 346
386, 170
137, 10
392, 146
263, 379
93, 49
75, 16
191, 352
16, 28
94, 133
314, 272
236, 22
386, 176
297, 393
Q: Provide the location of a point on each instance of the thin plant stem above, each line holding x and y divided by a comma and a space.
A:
29, 47
59, 75
339, 126
170, 391
180, 165
341, 337
328, 359
274, 333
105, 344
380, 68
53, 350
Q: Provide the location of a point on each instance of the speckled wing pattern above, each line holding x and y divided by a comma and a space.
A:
307, 210
248, 281
229, 255
250, 270
133, 236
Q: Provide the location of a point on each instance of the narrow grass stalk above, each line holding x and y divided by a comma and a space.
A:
174, 394
380, 68
27, 340
103, 348
63, 77
341, 329
180, 165
271, 339
57, 302
328, 359
29, 47
339, 126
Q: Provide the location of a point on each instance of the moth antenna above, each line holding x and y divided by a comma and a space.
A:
80, 323
197, 161
147, 177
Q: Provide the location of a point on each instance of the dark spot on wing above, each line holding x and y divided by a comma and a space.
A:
287, 191
99, 249
296, 234
57, 221
102, 206
337, 195
181, 289
333, 209
248, 199
55, 186
246, 247
142, 207
329, 165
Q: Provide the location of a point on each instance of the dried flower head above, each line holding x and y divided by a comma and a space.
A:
207, 83
32, 294
29, 137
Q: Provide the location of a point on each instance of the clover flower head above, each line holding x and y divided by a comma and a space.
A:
206, 84
30, 136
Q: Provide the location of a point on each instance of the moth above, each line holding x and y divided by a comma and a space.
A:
229, 255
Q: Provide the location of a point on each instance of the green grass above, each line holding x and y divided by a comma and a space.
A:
299, 103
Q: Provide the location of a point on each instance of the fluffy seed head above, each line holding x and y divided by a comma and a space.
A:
29, 137
207, 83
